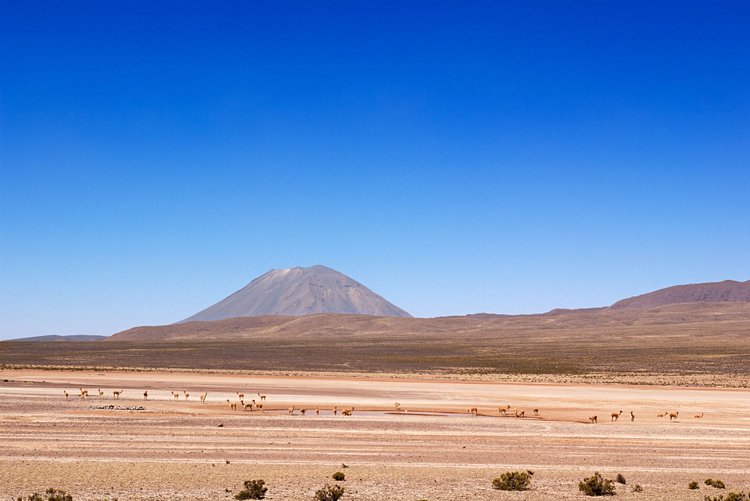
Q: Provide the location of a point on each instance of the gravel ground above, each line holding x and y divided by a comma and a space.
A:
432, 449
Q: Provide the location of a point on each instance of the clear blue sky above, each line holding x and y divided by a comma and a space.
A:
454, 157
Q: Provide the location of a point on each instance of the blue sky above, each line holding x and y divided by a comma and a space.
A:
454, 157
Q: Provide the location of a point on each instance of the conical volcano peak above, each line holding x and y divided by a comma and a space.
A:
300, 291
299, 270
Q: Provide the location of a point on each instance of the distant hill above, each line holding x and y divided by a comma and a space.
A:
300, 291
728, 291
57, 339
318, 301
701, 316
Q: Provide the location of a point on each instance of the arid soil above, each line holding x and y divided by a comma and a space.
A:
693, 345
431, 449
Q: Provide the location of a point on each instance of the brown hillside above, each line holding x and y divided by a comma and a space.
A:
600, 321
687, 343
728, 291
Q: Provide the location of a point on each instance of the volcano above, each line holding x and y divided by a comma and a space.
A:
298, 292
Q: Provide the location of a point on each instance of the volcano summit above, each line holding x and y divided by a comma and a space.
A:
300, 291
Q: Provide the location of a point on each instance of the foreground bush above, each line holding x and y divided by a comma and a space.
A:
329, 493
715, 483
51, 495
729, 496
254, 489
513, 481
597, 486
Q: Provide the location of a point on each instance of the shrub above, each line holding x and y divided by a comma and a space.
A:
329, 493
254, 489
513, 481
620, 479
693, 485
729, 496
715, 483
637, 488
51, 495
339, 477
597, 486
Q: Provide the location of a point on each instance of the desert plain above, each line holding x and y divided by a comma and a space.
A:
432, 448
687, 360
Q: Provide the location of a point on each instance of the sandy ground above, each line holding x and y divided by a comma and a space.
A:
433, 449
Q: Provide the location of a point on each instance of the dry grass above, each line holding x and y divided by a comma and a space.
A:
703, 344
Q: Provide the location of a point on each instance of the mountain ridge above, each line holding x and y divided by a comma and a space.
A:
56, 338
690, 303
697, 316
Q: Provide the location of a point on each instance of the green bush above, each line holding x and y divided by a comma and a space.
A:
693, 485
620, 479
513, 481
51, 495
729, 496
329, 493
254, 489
715, 483
597, 486
338, 476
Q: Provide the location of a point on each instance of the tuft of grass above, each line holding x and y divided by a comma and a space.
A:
329, 493
338, 476
254, 489
596, 485
637, 488
513, 481
715, 483
729, 496
693, 485
50, 494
